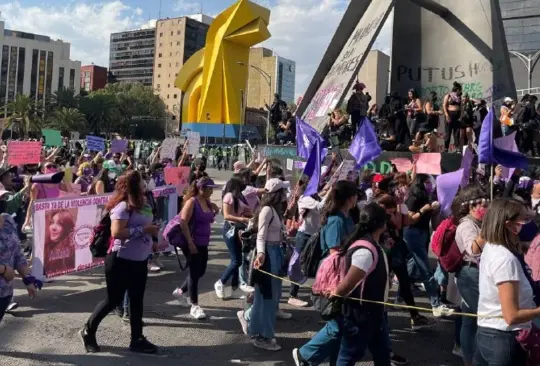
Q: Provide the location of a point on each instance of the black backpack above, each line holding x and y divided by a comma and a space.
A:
311, 256
101, 237
519, 111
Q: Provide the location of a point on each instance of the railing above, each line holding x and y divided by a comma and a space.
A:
531, 91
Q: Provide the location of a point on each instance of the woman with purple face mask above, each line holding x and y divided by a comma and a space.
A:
84, 177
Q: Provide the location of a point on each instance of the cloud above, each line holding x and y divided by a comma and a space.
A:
302, 30
87, 27
187, 7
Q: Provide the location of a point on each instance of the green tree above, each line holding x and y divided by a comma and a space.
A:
67, 120
101, 112
21, 115
64, 98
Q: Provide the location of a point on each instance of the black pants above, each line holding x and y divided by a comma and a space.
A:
452, 127
197, 269
398, 264
526, 141
121, 275
356, 120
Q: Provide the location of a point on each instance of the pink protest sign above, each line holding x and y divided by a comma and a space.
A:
178, 177
428, 163
24, 152
403, 165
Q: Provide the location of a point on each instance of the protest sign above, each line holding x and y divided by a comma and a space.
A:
299, 164
74, 135
290, 164
403, 165
428, 163
52, 137
24, 152
178, 177
194, 139
347, 169
168, 148
63, 248
119, 146
95, 143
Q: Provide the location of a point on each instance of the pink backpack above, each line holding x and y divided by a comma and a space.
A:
334, 268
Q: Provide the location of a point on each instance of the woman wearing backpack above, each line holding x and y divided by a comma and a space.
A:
337, 225
196, 220
268, 257
506, 302
126, 263
469, 209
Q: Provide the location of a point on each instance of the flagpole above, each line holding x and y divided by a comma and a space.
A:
491, 153
491, 181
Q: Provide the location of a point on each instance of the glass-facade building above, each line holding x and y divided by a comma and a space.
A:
285, 79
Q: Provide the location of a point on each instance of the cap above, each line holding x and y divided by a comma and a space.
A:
238, 166
206, 182
5, 170
274, 185
359, 86
198, 162
377, 178
508, 100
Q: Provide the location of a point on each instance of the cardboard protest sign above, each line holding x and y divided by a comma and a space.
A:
194, 139
24, 152
428, 163
119, 146
95, 143
168, 148
74, 135
178, 177
52, 137
403, 165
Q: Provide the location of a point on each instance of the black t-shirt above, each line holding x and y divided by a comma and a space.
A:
414, 204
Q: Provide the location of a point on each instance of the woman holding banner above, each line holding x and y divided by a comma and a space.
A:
126, 264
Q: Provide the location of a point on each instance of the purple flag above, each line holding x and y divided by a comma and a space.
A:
313, 169
466, 163
119, 146
365, 147
447, 187
306, 136
507, 143
490, 153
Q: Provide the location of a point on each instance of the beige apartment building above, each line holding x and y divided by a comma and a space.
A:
269, 74
177, 39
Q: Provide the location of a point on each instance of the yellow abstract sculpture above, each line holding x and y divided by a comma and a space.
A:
213, 78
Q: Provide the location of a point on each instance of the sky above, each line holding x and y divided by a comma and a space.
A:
301, 29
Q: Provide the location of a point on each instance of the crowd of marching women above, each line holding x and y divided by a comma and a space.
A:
356, 235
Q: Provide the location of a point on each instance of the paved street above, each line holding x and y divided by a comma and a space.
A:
44, 331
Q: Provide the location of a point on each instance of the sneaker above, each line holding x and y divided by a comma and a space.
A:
153, 268
442, 310
297, 357
266, 344
249, 289
89, 341
421, 322
396, 360
237, 294
12, 306
158, 263
456, 351
182, 299
142, 345
283, 315
218, 286
197, 312
243, 321
294, 301
119, 311
125, 316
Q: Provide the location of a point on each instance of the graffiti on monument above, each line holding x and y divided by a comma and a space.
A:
449, 73
338, 80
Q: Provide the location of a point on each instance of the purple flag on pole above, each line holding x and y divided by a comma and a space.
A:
507, 143
313, 169
466, 163
365, 147
447, 187
306, 136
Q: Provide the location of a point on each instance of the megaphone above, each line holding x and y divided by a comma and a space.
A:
50, 178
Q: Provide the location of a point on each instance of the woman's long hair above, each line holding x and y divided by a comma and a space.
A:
461, 206
102, 176
128, 189
339, 196
273, 200
65, 219
418, 190
235, 186
494, 228
193, 190
372, 218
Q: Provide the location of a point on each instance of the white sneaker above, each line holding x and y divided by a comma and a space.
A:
283, 315
266, 344
218, 286
243, 322
249, 289
197, 312
442, 310
456, 351
158, 263
294, 301
237, 294
153, 268
182, 299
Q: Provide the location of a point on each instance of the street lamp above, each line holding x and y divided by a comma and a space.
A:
530, 64
268, 79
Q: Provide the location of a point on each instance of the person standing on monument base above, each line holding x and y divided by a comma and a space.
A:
452, 112
358, 105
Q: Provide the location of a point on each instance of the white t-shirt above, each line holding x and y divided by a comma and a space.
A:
498, 265
363, 259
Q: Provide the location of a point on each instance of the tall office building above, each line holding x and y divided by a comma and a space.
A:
521, 19
269, 74
176, 40
131, 56
35, 65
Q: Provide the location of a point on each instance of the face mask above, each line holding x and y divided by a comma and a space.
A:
429, 187
528, 231
112, 175
50, 170
481, 212
87, 172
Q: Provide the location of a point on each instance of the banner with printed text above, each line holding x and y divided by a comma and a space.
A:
63, 227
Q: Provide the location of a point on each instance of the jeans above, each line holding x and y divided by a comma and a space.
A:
498, 348
262, 317
441, 276
197, 269
121, 275
300, 242
355, 338
244, 268
285, 137
235, 250
4, 303
324, 345
416, 240
467, 284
